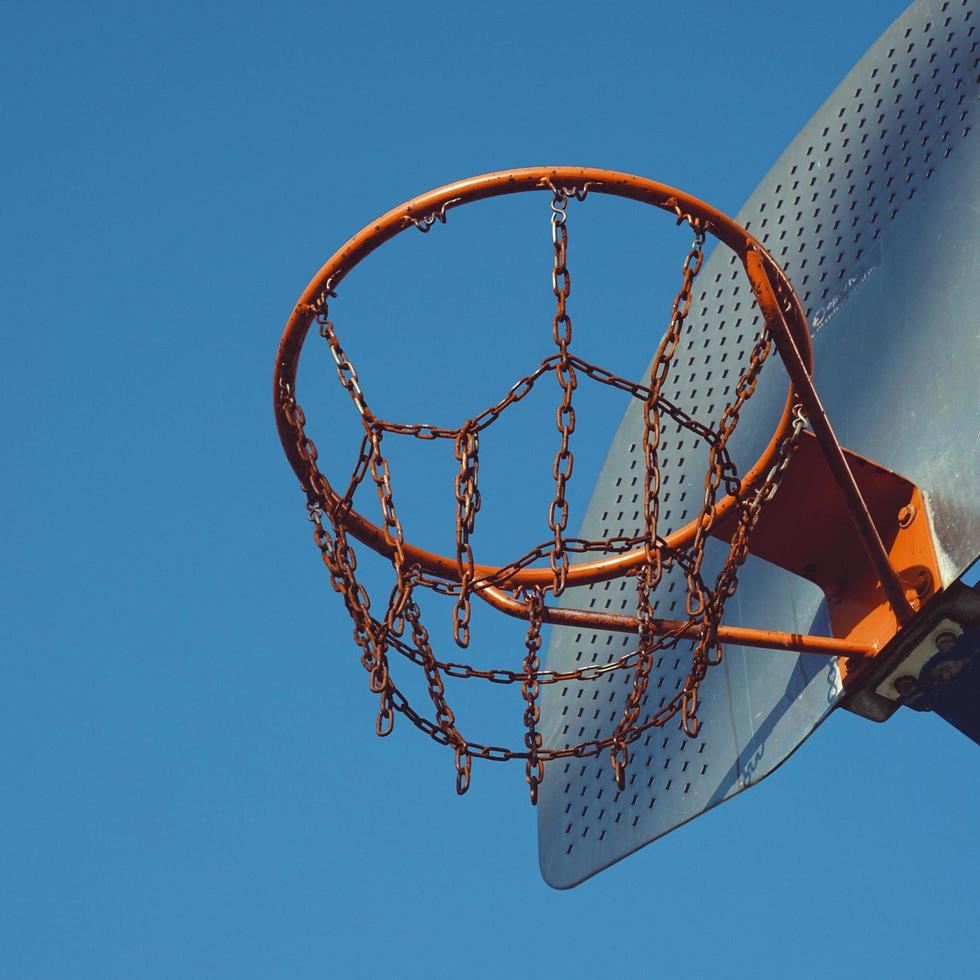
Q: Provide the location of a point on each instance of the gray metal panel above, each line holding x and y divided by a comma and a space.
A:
873, 212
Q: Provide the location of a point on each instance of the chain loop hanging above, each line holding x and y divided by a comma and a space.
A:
530, 687
561, 332
467, 505
378, 635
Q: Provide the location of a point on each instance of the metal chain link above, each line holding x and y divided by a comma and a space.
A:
534, 767
702, 603
376, 636
445, 719
561, 332
427, 431
467, 505
652, 570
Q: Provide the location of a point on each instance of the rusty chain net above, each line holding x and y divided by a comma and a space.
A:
399, 629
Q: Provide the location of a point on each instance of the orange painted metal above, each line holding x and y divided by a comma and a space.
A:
805, 530
433, 205
757, 638
851, 541
799, 372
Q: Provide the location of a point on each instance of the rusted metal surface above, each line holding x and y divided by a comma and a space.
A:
733, 503
561, 333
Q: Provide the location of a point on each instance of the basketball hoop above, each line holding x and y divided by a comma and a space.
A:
734, 504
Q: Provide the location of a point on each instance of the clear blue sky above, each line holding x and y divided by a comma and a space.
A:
191, 786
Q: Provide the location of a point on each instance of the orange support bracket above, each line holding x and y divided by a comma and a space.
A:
806, 529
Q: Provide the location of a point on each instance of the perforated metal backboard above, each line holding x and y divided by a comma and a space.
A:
874, 213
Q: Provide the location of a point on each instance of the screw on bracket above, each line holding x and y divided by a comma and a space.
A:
923, 583
905, 684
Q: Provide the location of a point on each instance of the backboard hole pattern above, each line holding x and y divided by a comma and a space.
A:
928, 103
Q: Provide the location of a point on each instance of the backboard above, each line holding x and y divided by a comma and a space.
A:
873, 213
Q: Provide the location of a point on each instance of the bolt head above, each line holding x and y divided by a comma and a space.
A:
905, 684
923, 583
